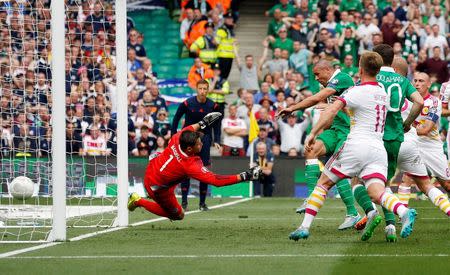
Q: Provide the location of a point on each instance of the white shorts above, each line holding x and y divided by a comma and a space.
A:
409, 160
436, 162
358, 160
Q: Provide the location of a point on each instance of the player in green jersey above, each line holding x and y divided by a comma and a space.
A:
335, 83
398, 88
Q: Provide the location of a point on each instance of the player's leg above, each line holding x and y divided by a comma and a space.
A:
313, 205
404, 189
165, 203
377, 191
364, 201
392, 148
435, 195
205, 156
184, 185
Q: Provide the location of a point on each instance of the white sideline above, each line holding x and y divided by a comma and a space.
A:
84, 257
85, 236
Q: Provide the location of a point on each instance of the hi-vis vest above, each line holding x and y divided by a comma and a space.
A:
195, 31
225, 41
206, 50
223, 85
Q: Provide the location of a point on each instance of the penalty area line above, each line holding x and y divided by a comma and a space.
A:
109, 230
221, 256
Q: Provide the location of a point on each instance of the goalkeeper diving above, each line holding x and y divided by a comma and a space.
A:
177, 162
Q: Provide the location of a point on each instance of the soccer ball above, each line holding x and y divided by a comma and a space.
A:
21, 188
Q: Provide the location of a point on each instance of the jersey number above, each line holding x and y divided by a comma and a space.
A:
393, 88
381, 118
166, 163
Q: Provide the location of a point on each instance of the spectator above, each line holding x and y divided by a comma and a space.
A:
157, 101
330, 23
139, 49
435, 39
390, 28
297, 27
277, 64
133, 62
265, 120
186, 23
365, 31
275, 24
284, 7
218, 89
350, 5
318, 46
265, 160
347, 45
25, 144
234, 130
411, 40
264, 93
300, 59
437, 18
243, 112
291, 134
248, 73
161, 144
94, 144
147, 138
348, 66
283, 42
205, 46
344, 23
96, 21
199, 71
225, 40
435, 66
162, 124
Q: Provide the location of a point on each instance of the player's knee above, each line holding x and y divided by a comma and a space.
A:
375, 188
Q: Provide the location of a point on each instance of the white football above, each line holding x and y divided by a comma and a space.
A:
21, 188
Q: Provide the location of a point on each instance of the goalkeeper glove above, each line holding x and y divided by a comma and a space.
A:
253, 173
209, 119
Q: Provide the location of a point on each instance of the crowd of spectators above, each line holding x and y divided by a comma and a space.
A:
299, 33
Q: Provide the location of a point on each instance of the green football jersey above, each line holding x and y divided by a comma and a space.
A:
397, 87
340, 82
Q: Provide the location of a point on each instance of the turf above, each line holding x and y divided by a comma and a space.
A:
248, 238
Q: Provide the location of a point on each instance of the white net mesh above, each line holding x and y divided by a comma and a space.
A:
26, 101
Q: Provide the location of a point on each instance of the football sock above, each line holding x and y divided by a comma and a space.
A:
389, 216
312, 173
314, 203
152, 207
362, 197
203, 188
404, 193
391, 204
185, 184
345, 191
439, 199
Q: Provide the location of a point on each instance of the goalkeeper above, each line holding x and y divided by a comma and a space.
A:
179, 161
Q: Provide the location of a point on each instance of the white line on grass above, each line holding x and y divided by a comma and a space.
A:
84, 257
109, 230
286, 218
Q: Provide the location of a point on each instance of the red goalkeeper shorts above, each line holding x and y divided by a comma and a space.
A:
165, 197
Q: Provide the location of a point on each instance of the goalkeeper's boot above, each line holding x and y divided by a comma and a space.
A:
134, 197
302, 208
349, 222
299, 233
408, 221
203, 207
361, 223
391, 235
373, 220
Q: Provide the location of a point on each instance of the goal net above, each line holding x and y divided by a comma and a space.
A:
28, 96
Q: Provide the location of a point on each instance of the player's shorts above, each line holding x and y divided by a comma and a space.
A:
436, 162
448, 143
357, 160
410, 161
165, 197
333, 140
392, 148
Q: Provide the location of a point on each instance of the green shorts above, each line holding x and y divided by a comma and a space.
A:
392, 148
333, 140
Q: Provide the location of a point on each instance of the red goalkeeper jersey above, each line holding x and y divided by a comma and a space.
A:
173, 165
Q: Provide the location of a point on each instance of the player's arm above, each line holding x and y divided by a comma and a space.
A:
430, 121
417, 101
325, 120
308, 102
182, 109
445, 96
202, 174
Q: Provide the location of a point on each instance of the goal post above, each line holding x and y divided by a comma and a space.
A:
72, 190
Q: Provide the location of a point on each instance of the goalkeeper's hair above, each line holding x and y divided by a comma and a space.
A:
386, 52
202, 81
189, 139
371, 63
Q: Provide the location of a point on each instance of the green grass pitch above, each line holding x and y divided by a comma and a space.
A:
245, 238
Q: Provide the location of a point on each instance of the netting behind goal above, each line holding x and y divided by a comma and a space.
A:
26, 115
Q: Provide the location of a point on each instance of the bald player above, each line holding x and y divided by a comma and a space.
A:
410, 158
330, 140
